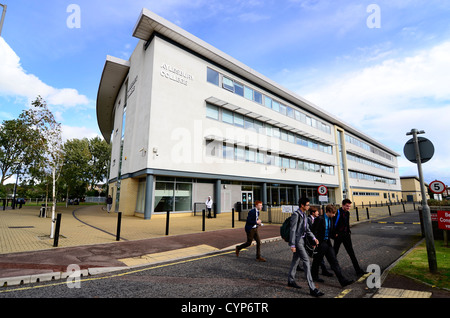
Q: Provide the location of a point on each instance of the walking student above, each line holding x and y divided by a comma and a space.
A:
313, 215
343, 234
299, 232
323, 230
251, 228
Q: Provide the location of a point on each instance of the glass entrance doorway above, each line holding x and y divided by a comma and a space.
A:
247, 200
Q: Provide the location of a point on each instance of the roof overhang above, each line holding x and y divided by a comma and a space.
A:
114, 73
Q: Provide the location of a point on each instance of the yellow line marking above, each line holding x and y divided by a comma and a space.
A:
118, 275
343, 293
363, 277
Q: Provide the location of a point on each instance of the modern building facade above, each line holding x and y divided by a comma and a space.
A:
187, 121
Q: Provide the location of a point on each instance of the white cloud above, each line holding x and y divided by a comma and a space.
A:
15, 81
71, 132
389, 99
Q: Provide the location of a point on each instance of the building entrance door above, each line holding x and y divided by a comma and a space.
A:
247, 200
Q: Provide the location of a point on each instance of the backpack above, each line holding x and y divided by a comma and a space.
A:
285, 229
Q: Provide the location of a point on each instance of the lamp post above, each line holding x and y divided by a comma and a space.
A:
426, 217
3, 17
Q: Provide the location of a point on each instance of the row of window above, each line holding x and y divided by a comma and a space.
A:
245, 122
231, 85
369, 162
365, 176
240, 153
374, 194
366, 146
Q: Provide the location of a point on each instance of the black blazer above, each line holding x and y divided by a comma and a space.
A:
252, 217
318, 228
343, 222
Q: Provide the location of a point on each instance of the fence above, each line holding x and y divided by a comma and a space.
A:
95, 199
277, 214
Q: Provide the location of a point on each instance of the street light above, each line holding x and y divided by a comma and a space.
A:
3, 17
426, 217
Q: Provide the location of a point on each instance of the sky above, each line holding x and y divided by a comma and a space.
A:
380, 66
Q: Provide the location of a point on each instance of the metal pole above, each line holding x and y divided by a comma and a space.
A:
203, 219
58, 224
119, 224
426, 217
232, 218
3, 17
167, 222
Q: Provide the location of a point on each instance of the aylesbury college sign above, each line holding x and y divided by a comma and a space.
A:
175, 74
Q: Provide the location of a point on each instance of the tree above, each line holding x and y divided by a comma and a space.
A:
21, 147
75, 173
100, 156
41, 120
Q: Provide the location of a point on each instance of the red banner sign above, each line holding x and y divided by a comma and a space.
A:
443, 218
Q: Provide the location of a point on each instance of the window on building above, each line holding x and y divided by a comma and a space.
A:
267, 102
228, 84
212, 77
257, 97
212, 111
239, 89
248, 93
227, 116
228, 151
239, 120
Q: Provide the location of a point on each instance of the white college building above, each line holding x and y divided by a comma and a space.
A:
187, 121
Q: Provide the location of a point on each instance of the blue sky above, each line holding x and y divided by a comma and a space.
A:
384, 69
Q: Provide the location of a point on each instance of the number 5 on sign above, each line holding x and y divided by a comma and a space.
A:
437, 187
323, 190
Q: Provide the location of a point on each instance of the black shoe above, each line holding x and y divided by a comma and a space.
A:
317, 279
346, 282
316, 293
294, 284
327, 274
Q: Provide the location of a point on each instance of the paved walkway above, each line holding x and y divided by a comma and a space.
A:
88, 239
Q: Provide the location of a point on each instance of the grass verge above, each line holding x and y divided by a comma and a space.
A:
415, 265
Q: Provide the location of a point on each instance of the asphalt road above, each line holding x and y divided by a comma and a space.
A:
215, 277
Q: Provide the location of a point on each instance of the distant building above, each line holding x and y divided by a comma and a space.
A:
411, 189
187, 121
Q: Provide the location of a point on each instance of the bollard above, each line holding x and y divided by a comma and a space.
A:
119, 223
203, 219
389, 208
357, 214
232, 218
367, 211
58, 224
167, 222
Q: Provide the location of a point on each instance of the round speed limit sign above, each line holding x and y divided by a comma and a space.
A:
323, 190
437, 187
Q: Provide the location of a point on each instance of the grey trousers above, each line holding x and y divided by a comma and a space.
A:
301, 255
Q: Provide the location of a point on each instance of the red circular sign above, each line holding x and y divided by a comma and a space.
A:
437, 187
323, 190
